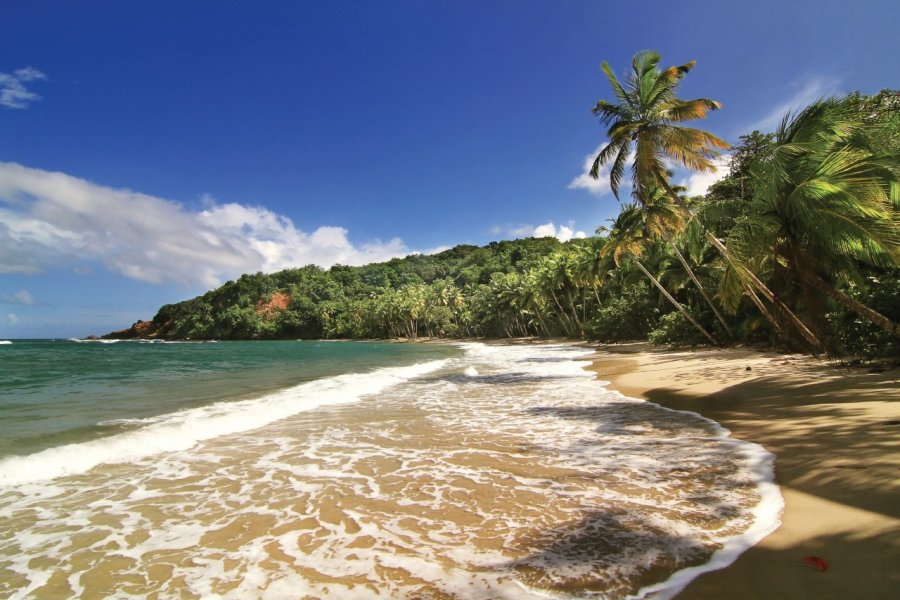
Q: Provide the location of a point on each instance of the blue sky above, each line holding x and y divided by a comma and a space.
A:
149, 151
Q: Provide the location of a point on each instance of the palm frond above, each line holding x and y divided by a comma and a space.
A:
688, 110
603, 157
618, 170
618, 90
610, 113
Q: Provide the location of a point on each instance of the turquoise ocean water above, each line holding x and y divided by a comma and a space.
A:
55, 392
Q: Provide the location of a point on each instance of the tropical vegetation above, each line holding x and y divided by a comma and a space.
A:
798, 246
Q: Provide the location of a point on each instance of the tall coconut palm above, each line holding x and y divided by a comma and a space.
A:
646, 118
627, 238
644, 122
823, 206
533, 300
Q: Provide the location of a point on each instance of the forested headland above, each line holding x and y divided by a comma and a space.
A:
797, 247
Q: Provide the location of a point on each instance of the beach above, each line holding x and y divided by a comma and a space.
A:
836, 434
467, 470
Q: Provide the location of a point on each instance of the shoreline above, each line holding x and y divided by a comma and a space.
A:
836, 436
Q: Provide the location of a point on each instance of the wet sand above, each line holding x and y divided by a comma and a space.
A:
836, 434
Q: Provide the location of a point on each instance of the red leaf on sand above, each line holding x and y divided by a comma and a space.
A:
816, 562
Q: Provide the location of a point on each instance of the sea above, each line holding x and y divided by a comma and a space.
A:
357, 470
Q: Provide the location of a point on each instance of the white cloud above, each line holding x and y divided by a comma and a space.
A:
21, 297
13, 93
698, 183
599, 186
563, 233
807, 92
12, 318
51, 219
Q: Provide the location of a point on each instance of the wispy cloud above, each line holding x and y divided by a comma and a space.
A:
12, 319
53, 220
563, 233
805, 93
21, 297
13, 93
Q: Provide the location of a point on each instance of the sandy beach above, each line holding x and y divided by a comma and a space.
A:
836, 434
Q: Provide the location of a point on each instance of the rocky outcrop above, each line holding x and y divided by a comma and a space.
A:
139, 330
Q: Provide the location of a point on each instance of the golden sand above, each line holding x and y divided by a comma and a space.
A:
836, 433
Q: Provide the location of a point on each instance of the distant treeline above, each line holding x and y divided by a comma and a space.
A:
796, 247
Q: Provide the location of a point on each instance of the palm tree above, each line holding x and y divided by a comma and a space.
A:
548, 275
533, 300
646, 118
627, 238
666, 219
590, 266
823, 207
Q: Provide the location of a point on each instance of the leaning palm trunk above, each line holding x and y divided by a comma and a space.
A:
578, 321
583, 308
852, 304
762, 309
562, 313
542, 323
741, 268
674, 302
696, 281
808, 335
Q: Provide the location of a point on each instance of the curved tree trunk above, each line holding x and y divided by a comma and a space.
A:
810, 337
852, 304
542, 323
675, 302
575, 311
779, 330
562, 314
690, 272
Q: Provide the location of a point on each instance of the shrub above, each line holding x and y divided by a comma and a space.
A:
853, 335
629, 316
674, 329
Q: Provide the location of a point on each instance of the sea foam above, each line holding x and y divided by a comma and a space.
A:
510, 473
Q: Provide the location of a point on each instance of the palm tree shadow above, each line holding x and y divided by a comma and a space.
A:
585, 558
612, 553
825, 445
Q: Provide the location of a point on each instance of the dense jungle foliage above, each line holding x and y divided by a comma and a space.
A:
797, 247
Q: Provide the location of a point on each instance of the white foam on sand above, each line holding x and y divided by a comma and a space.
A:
509, 472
